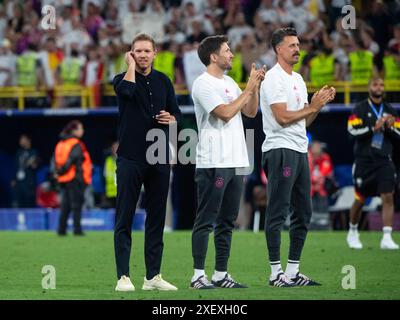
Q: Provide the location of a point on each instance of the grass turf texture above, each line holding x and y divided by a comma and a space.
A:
85, 267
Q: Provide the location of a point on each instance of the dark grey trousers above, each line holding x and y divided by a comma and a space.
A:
288, 190
218, 196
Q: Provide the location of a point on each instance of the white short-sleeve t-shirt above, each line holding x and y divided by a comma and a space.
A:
221, 144
281, 87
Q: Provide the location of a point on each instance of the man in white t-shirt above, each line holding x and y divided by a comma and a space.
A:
221, 150
286, 113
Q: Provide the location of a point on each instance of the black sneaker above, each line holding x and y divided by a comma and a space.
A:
281, 281
228, 282
202, 283
301, 281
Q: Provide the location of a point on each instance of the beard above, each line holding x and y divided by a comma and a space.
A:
376, 95
225, 66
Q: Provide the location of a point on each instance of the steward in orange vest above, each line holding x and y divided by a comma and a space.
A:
72, 161
73, 168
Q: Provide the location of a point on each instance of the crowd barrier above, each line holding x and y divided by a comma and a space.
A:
47, 219
89, 95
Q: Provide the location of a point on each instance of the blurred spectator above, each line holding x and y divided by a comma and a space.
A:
285, 18
24, 183
238, 30
391, 65
255, 196
16, 21
173, 34
321, 170
192, 65
300, 16
199, 5
64, 21
237, 72
213, 10
115, 61
46, 194
250, 51
29, 68
218, 26
110, 167
8, 62
135, 22
232, 7
380, 21
324, 68
394, 43
189, 15
112, 27
267, 12
366, 35
197, 34
70, 73
78, 36
361, 62
30, 34
335, 11
50, 59
93, 72
3, 22
174, 16
93, 21
165, 61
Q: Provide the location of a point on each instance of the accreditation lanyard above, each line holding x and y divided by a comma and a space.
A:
378, 114
377, 138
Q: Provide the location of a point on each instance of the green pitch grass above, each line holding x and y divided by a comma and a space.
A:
85, 267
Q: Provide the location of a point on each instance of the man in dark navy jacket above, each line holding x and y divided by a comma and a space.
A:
146, 101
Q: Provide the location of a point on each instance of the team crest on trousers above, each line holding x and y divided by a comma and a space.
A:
287, 172
219, 182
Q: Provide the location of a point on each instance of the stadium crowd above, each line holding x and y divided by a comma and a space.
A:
89, 38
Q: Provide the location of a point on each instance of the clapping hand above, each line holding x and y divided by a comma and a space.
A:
322, 97
256, 76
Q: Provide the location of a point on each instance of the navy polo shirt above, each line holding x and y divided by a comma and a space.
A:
138, 103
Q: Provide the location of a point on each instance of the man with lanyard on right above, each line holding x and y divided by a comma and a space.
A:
374, 124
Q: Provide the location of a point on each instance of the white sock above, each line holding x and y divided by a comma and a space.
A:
292, 268
197, 274
353, 227
387, 232
275, 269
218, 275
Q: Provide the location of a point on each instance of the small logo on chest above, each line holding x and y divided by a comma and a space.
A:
228, 95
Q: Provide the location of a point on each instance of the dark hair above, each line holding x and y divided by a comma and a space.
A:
279, 35
143, 37
210, 45
374, 78
71, 126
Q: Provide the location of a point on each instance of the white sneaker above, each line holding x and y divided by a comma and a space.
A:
124, 284
388, 243
353, 240
158, 283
